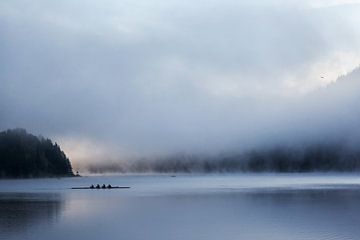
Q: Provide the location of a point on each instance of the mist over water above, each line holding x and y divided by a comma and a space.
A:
215, 112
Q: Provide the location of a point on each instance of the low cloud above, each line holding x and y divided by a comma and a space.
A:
129, 79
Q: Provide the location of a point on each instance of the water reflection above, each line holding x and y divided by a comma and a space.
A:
307, 214
271, 215
22, 212
313, 213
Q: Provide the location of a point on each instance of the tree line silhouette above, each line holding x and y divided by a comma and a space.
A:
24, 155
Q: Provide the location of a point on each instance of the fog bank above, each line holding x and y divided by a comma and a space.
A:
122, 81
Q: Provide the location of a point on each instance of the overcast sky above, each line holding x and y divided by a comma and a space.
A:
113, 79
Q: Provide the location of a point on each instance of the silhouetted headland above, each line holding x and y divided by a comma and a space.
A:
23, 155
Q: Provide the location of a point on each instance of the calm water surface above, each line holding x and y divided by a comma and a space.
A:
161, 207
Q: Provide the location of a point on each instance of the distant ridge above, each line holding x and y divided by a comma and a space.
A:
23, 155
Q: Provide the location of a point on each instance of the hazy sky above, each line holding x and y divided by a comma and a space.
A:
113, 79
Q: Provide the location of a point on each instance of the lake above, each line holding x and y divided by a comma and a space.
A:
164, 207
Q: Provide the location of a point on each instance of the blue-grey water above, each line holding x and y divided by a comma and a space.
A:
161, 207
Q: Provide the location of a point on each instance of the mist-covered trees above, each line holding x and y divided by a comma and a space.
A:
25, 155
316, 157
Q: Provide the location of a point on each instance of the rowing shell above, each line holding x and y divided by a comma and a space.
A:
99, 188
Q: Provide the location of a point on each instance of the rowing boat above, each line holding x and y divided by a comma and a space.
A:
116, 187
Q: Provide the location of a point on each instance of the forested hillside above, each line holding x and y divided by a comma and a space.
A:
24, 155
